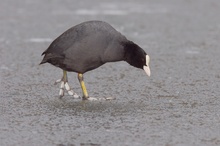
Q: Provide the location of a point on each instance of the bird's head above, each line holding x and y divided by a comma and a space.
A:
137, 57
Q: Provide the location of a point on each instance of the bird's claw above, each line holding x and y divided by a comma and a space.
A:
57, 81
65, 86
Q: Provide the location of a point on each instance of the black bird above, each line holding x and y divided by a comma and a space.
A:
89, 45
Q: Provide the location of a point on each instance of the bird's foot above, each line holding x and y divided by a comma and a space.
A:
99, 99
65, 86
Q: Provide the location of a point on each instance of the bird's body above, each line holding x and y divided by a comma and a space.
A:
91, 44
76, 51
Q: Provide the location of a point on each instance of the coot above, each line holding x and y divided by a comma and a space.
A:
89, 45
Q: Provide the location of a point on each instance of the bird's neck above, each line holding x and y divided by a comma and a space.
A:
131, 53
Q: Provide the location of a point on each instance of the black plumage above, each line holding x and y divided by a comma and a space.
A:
91, 44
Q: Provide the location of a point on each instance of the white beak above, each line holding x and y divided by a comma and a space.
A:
147, 70
146, 67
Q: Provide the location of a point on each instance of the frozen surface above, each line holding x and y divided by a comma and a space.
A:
179, 105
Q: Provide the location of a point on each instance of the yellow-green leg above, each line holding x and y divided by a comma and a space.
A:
85, 93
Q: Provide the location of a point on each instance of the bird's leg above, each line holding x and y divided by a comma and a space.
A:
85, 93
64, 85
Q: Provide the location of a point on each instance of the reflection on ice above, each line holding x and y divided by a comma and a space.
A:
193, 50
4, 67
116, 8
39, 40
100, 12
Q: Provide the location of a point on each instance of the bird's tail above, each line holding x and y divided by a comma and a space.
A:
44, 59
49, 57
